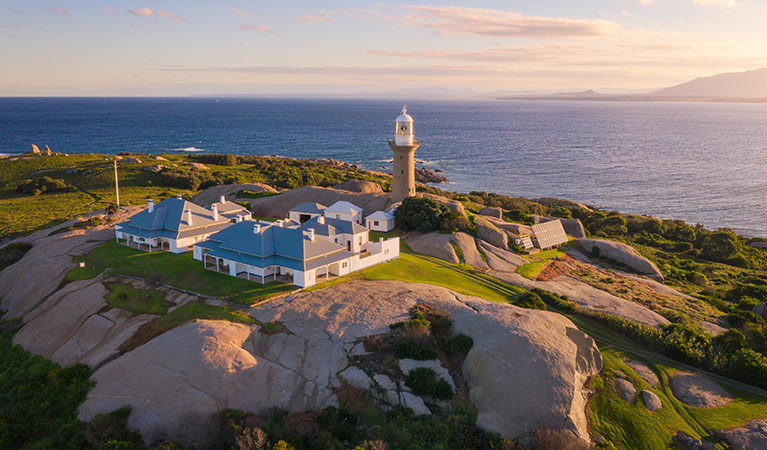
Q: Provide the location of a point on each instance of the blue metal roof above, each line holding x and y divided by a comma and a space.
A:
309, 208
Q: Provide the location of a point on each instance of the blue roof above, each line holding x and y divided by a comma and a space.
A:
168, 220
338, 226
309, 208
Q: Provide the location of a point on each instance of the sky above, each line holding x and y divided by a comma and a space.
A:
337, 47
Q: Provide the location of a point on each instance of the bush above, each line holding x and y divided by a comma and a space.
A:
722, 246
12, 253
561, 303
43, 185
459, 345
192, 180
217, 159
420, 214
110, 431
530, 300
413, 350
423, 381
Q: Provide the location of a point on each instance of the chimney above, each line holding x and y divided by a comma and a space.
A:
178, 197
214, 209
188, 216
256, 228
310, 234
223, 200
151, 206
321, 220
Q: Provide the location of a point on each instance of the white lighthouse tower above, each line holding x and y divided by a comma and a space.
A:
404, 146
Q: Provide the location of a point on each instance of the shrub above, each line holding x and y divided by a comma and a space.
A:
561, 303
419, 214
413, 350
191, 180
423, 381
110, 431
43, 185
460, 344
530, 300
217, 159
12, 253
722, 246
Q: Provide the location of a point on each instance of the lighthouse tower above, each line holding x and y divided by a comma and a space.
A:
404, 146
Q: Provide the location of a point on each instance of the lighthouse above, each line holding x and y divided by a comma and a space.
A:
403, 145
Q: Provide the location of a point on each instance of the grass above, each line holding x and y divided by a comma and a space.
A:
131, 299
180, 271
538, 262
633, 426
458, 252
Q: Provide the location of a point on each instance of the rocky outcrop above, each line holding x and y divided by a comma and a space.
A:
361, 186
35, 150
492, 212
129, 160
644, 372
696, 390
688, 442
491, 233
432, 244
452, 205
562, 202
622, 254
198, 166
466, 243
229, 191
751, 435
22, 288
176, 381
574, 228
651, 401
279, 205
760, 309
154, 168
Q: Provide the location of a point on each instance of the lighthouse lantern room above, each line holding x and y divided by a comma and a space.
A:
403, 145
403, 134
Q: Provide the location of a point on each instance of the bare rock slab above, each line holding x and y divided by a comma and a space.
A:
622, 253
751, 435
699, 391
643, 371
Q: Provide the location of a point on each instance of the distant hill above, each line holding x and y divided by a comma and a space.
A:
750, 84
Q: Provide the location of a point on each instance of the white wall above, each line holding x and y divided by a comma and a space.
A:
356, 217
381, 251
383, 225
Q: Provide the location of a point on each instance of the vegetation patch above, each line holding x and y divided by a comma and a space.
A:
423, 381
180, 271
273, 327
252, 194
43, 185
127, 297
538, 262
39, 400
12, 253
424, 215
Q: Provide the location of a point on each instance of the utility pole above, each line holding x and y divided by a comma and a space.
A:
117, 189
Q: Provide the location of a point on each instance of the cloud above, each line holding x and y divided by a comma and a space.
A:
59, 10
647, 2
254, 27
239, 12
146, 12
722, 3
110, 10
308, 18
456, 20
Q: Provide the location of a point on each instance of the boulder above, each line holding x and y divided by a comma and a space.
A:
385, 382
750, 435
467, 246
434, 244
761, 309
644, 372
687, 442
361, 186
177, 381
490, 233
154, 168
415, 403
129, 160
452, 205
621, 253
651, 401
229, 191
574, 228
35, 150
696, 390
356, 377
562, 202
198, 166
160, 158
626, 389
492, 212
499, 259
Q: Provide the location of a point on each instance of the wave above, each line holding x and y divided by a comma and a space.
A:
188, 149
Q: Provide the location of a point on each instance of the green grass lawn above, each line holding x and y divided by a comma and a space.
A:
131, 299
180, 271
633, 426
538, 262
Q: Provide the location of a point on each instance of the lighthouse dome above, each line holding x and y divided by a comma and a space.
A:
404, 116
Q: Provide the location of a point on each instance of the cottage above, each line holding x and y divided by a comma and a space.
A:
344, 210
351, 235
176, 225
306, 211
380, 221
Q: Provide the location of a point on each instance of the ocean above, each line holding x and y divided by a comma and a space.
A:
701, 162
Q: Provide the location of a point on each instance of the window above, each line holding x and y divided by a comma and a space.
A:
343, 264
386, 252
338, 216
375, 223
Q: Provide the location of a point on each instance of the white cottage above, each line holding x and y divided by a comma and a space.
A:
343, 210
380, 221
176, 225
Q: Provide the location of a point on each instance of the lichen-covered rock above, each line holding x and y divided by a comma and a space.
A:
361, 186
651, 401
490, 233
621, 253
415, 403
574, 228
699, 391
751, 435
492, 212
644, 372
626, 389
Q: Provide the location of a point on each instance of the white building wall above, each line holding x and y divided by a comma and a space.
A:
383, 225
380, 252
356, 217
